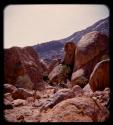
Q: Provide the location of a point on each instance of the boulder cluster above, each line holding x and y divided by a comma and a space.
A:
73, 90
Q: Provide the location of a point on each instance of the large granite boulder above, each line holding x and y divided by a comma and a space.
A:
78, 109
20, 62
90, 50
99, 78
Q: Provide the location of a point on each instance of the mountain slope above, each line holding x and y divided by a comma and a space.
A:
54, 48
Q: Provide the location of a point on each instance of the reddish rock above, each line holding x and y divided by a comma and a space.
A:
30, 100
61, 95
79, 109
21, 94
90, 50
99, 78
8, 88
44, 65
20, 62
87, 90
8, 96
102, 97
24, 81
58, 74
53, 64
22, 114
69, 49
78, 78
19, 102
7, 104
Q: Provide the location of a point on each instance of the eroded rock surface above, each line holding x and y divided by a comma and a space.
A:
99, 78
90, 50
20, 62
79, 109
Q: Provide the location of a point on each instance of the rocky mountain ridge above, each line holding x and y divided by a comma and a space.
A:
54, 49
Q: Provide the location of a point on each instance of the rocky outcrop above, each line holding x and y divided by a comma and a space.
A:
90, 50
7, 104
22, 62
103, 97
8, 88
21, 93
61, 95
78, 109
99, 78
87, 90
69, 56
53, 64
78, 78
58, 74
55, 47
19, 102
8, 96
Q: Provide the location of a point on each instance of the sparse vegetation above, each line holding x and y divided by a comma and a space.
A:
81, 81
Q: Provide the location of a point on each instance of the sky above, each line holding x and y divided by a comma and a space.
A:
28, 25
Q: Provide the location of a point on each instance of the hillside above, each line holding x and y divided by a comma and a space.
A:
54, 48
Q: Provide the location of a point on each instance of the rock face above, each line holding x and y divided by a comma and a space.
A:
53, 64
19, 102
78, 78
58, 74
61, 95
90, 50
69, 49
21, 93
99, 78
79, 109
8, 96
55, 47
22, 62
102, 97
8, 88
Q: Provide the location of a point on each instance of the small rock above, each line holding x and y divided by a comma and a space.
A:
19, 102
7, 104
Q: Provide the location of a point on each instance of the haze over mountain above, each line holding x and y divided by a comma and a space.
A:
54, 48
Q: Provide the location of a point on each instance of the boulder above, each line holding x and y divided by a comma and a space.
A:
87, 90
22, 61
103, 97
24, 81
21, 93
99, 78
19, 102
69, 56
90, 50
8, 88
53, 64
8, 96
61, 95
78, 109
58, 74
7, 104
78, 78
